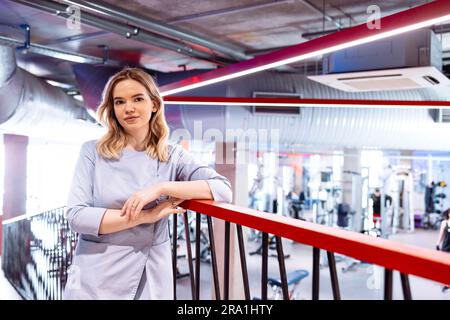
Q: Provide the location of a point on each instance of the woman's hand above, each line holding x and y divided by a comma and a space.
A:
133, 206
162, 210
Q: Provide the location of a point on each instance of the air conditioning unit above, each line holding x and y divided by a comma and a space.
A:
380, 80
409, 61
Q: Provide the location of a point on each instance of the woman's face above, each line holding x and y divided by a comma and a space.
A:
133, 106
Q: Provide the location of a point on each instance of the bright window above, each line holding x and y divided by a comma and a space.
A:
50, 168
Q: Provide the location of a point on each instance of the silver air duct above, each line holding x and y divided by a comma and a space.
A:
401, 128
29, 106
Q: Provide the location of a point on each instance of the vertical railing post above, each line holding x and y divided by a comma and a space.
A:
197, 255
282, 267
405, 286
333, 276
189, 253
387, 284
174, 254
243, 262
264, 268
213, 257
316, 273
226, 272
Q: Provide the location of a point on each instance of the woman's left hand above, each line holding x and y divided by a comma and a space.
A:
138, 200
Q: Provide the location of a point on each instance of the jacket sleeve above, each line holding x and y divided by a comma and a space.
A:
81, 215
190, 169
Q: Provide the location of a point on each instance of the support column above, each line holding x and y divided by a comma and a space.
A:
352, 186
407, 221
15, 180
229, 164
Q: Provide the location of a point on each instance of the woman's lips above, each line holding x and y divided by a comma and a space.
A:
131, 119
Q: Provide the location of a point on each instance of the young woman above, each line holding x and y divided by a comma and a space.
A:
124, 188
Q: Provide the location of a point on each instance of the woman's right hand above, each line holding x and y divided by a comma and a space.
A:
162, 210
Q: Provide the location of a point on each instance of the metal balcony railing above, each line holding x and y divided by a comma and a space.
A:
37, 252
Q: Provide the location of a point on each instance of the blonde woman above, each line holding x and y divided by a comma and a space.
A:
124, 188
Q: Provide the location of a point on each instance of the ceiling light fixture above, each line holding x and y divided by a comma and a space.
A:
412, 19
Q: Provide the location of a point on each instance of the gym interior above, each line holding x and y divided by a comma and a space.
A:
330, 119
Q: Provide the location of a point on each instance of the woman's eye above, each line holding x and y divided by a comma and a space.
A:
139, 99
117, 102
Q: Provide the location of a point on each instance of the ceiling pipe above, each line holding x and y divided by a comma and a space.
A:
322, 12
350, 18
440, 29
150, 24
78, 37
311, 35
384, 121
56, 53
124, 30
231, 10
32, 107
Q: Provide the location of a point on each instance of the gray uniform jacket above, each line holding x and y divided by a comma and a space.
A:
111, 266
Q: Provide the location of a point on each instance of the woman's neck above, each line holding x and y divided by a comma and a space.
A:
136, 141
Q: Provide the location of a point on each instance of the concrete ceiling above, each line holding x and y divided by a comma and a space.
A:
252, 26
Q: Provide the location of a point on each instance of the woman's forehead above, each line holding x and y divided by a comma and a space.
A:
128, 88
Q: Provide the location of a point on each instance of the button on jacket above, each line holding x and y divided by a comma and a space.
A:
111, 266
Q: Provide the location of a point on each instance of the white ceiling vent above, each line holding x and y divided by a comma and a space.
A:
380, 80
408, 61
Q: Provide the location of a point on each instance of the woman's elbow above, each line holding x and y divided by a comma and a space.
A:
70, 217
225, 195
228, 196
220, 191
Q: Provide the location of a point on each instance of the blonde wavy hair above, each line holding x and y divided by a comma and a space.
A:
110, 146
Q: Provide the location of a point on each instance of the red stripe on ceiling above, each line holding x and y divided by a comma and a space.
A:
313, 102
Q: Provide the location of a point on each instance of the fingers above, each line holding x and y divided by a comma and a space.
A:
137, 210
134, 205
123, 211
179, 210
129, 209
174, 211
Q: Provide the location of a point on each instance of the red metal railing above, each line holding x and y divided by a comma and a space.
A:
21, 244
407, 259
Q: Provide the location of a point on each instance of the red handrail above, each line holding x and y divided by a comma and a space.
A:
408, 259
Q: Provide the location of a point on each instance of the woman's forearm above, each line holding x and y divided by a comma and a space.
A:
187, 190
113, 222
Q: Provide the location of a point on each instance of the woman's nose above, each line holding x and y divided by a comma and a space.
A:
129, 107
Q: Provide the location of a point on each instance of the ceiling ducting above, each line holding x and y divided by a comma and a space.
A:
32, 107
328, 128
300, 127
410, 61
